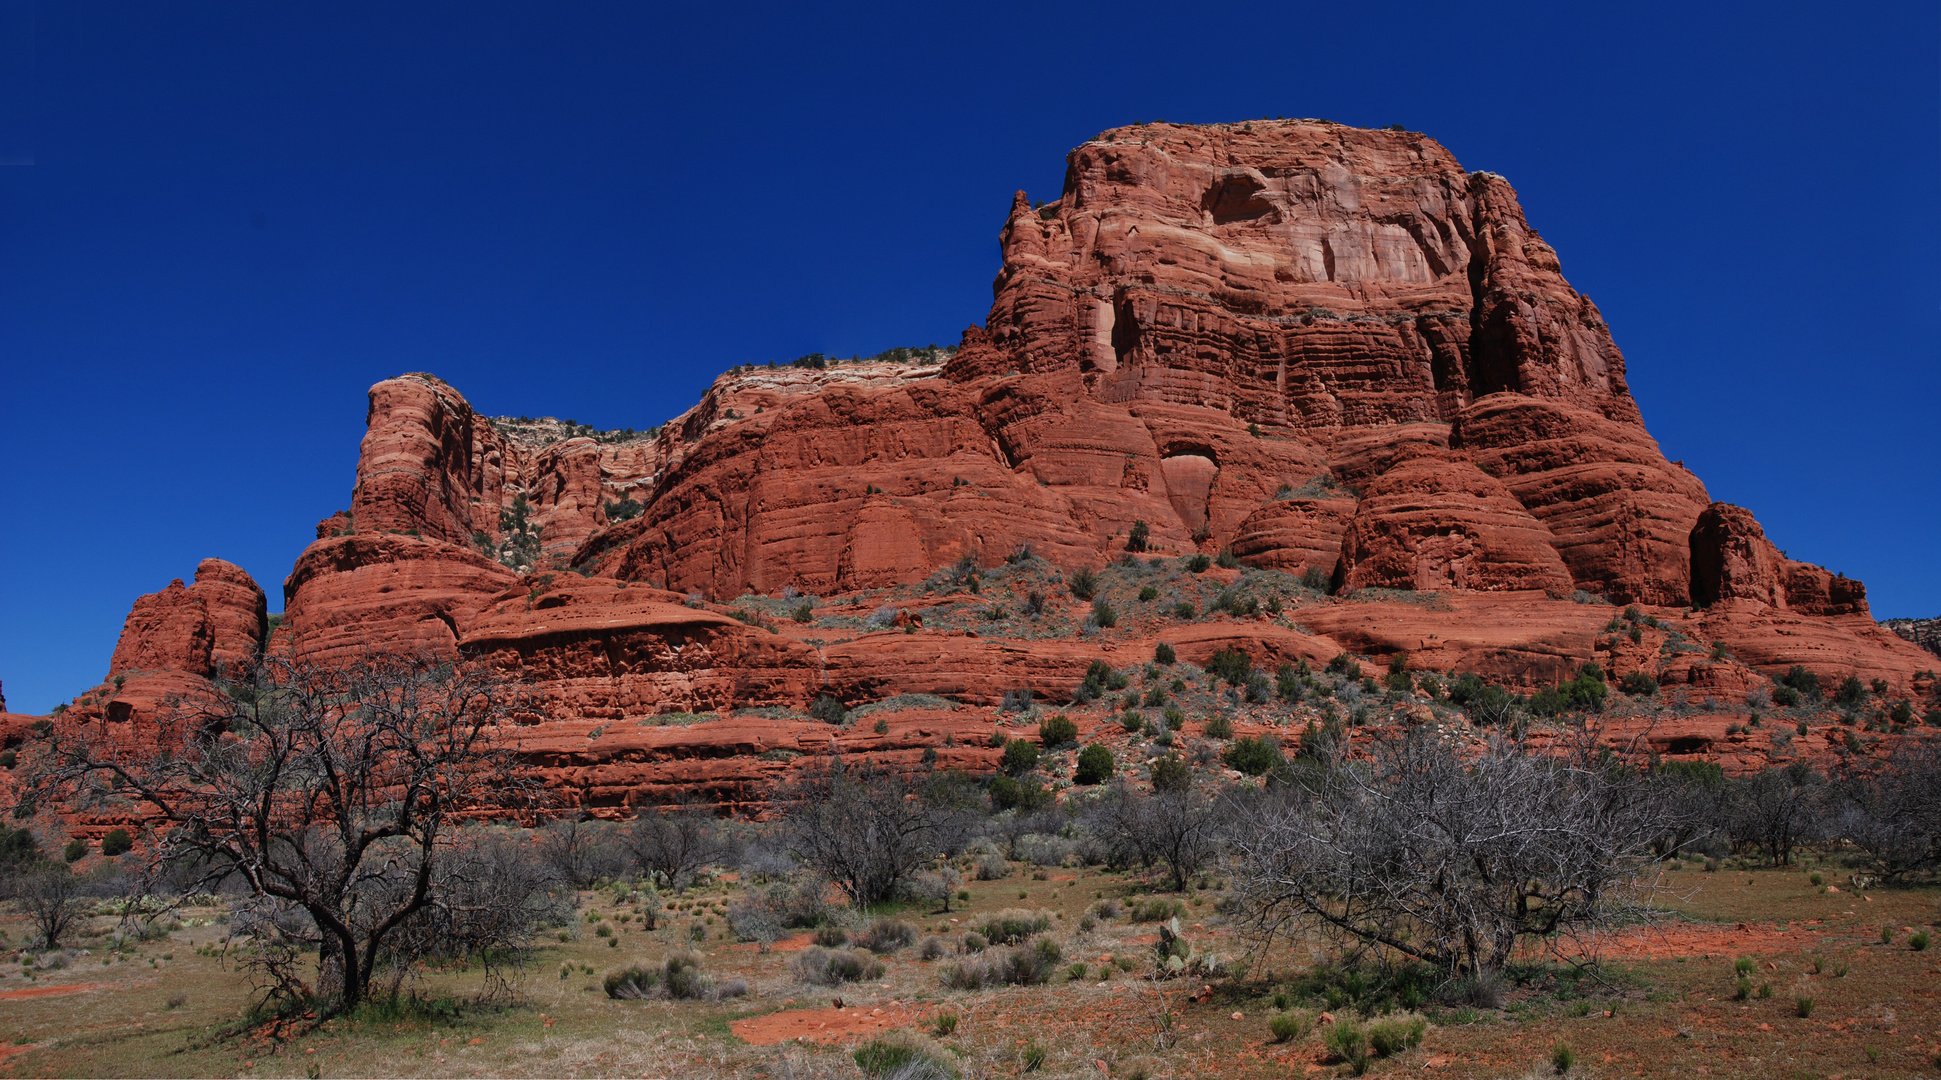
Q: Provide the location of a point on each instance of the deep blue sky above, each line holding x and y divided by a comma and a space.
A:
238, 217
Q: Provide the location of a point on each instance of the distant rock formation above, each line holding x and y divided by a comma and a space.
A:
1331, 351
1923, 632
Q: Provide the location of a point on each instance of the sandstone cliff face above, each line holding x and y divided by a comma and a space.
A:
431, 467
1293, 273
1332, 350
1432, 524
1205, 317
213, 627
1733, 560
410, 594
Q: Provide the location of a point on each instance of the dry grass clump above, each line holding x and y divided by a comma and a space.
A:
833, 967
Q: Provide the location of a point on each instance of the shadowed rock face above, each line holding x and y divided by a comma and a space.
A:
1330, 349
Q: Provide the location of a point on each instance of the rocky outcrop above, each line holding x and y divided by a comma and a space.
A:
1733, 560
1619, 514
430, 467
214, 627
1204, 318
1773, 612
1923, 632
1295, 534
1431, 524
1333, 351
238, 614
348, 594
168, 630
1293, 273
604, 651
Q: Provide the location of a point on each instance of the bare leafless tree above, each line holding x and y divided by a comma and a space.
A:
490, 894
54, 902
581, 850
1777, 810
673, 842
938, 885
1890, 809
328, 789
1446, 857
867, 829
1178, 825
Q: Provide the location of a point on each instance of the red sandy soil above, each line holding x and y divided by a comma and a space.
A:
50, 991
792, 943
1690, 939
824, 1025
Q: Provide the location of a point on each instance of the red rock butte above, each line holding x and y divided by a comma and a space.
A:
1332, 350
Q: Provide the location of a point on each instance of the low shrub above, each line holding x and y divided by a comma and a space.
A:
1027, 965
1084, 584
1157, 909
1393, 1034
1219, 727
833, 967
1231, 665
886, 936
1254, 755
1012, 925
1198, 564
1095, 765
1010, 793
1057, 730
827, 709
681, 976
1348, 1042
1103, 614
117, 842
1290, 1026
632, 983
1163, 653
1638, 684
904, 1055
1020, 756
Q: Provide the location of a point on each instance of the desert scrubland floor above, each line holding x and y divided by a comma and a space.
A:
1662, 1002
